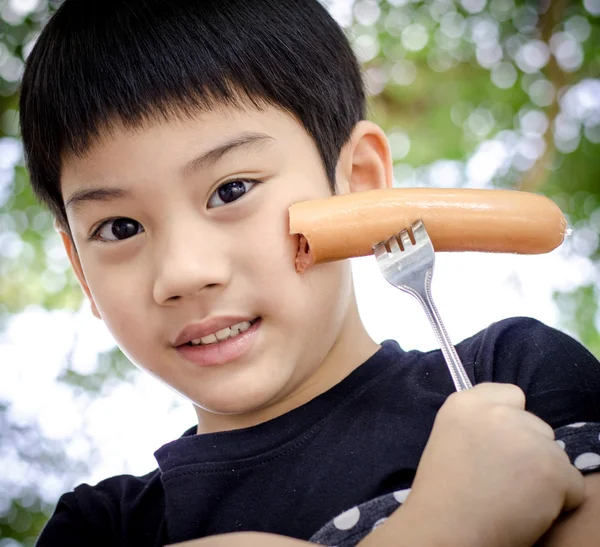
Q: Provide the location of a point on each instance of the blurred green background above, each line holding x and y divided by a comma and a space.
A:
479, 93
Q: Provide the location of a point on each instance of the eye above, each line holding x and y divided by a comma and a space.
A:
230, 191
117, 229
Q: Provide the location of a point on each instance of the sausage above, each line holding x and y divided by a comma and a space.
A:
498, 221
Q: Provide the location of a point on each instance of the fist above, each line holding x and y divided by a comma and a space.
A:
492, 473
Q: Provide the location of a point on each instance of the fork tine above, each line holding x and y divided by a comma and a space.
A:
405, 238
380, 250
419, 231
394, 245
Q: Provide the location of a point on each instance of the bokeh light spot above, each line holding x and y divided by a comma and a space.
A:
504, 75
489, 56
399, 144
567, 51
525, 19
366, 47
367, 12
578, 27
593, 6
480, 122
533, 122
404, 72
453, 25
532, 56
473, 6
484, 31
542, 92
415, 37
502, 10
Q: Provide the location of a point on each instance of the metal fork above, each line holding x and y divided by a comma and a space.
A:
406, 261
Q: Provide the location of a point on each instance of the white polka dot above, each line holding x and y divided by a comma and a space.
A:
401, 495
379, 523
348, 519
587, 460
561, 444
577, 424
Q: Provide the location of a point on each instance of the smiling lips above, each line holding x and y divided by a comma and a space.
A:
221, 346
223, 334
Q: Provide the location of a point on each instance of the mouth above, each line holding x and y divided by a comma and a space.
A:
223, 334
227, 345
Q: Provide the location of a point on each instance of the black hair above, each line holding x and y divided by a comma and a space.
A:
137, 61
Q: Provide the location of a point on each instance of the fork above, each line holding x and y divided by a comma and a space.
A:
406, 261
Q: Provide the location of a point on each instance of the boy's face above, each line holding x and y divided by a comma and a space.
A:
181, 231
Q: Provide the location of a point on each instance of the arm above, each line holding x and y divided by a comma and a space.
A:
483, 449
244, 539
579, 528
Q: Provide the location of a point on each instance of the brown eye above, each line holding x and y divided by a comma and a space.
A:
230, 192
119, 229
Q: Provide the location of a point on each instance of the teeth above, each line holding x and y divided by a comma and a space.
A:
243, 326
210, 339
223, 334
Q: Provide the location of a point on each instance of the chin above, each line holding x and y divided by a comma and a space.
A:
235, 403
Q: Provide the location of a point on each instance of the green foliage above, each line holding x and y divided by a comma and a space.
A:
30, 275
111, 367
23, 523
579, 310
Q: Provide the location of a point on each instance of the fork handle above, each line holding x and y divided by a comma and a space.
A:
455, 366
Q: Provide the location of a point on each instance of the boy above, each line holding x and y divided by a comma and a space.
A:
169, 139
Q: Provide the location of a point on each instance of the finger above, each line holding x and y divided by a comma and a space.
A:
537, 424
574, 488
507, 394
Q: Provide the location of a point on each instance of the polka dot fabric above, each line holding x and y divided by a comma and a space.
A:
347, 529
581, 442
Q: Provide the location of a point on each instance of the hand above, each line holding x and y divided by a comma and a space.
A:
491, 475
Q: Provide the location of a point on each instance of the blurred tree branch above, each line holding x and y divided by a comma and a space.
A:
537, 176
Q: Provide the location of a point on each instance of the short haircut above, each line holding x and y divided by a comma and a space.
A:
135, 62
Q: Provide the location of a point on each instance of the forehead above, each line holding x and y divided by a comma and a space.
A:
170, 142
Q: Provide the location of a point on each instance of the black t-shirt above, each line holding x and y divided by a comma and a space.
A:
358, 442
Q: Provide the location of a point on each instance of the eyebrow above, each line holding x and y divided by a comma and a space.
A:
210, 157
94, 194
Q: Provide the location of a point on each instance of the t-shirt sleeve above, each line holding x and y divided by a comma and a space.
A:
120, 510
69, 527
560, 377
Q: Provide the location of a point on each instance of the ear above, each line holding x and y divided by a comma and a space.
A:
76, 265
365, 160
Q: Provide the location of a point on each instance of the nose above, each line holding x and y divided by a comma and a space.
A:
191, 259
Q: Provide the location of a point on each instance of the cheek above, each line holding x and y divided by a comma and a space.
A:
313, 301
332, 286
267, 246
270, 253
119, 296
268, 231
